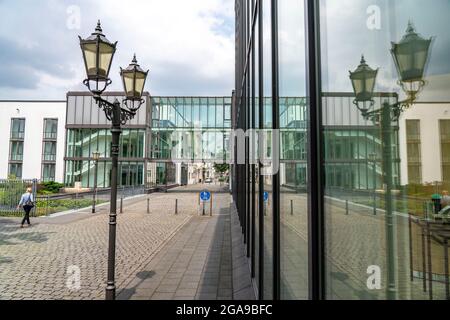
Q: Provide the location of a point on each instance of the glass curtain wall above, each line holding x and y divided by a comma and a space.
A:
187, 131
190, 129
386, 188
273, 203
80, 167
360, 205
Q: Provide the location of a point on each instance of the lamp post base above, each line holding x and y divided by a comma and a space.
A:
110, 292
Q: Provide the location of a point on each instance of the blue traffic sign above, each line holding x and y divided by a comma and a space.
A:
266, 196
205, 196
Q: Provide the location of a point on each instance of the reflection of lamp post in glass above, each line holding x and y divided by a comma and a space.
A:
410, 56
98, 53
373, 158
96, 157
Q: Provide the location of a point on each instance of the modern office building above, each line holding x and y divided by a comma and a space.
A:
33, 140
163, 145
339, 215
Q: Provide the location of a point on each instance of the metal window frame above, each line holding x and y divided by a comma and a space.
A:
316, 221
276, 252
261, 127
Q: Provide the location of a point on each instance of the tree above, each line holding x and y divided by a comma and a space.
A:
221, 168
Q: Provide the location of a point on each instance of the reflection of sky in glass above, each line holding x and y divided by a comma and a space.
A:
345, 36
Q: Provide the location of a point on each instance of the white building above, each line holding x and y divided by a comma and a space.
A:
33, 139
425, 142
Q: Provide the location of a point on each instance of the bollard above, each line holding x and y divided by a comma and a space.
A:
47, 213
211, 205
346, 207
176, 206
292, 207
148, 205
121, 205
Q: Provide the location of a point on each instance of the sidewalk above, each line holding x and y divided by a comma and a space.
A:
196, 264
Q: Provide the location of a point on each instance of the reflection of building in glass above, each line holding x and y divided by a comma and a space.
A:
425, 143
349, 142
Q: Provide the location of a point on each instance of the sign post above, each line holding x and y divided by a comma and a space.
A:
205, 196
266, 202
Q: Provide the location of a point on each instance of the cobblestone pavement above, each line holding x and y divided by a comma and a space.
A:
197, 263
34, 261
353, 243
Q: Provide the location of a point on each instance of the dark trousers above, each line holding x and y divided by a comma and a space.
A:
26, 218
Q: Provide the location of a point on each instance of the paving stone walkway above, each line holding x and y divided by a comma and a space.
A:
196, 264
160, 255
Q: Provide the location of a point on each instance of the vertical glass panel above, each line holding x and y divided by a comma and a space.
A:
385, 231
267, 180
196, 113
294, 165
86, 143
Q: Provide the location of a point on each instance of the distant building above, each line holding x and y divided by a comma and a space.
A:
33, 140
425, 143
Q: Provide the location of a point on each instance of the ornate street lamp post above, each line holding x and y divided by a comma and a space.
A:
96, 157
98, 53
373, 158
410, 56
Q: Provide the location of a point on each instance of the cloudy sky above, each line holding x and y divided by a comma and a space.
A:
187, 45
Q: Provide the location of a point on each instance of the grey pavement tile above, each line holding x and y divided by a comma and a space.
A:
207, 289
206, 296
188, 285
162, 296
167, 288
185, 292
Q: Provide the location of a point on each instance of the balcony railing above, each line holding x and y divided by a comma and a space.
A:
50, 135
16, 157
18, 135
49, 157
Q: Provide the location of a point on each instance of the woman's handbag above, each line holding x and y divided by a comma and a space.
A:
29, 203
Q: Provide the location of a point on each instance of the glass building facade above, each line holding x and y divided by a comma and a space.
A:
157, 148
88, 131
185, 131
344, 199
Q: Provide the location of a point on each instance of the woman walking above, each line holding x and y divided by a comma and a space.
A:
27, 203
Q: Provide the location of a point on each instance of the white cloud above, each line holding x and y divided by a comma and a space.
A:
187, 45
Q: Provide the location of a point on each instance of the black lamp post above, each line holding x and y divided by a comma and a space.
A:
98, 53
373, 158
410, 56
96, 157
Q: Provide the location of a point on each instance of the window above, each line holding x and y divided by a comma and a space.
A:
50, 129
49, 151
16, 153
414, 151
48, 172
15, 170
18, 129
445, 149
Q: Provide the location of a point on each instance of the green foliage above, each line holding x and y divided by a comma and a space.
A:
221, 168
50, 187
45, 207
11, 192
